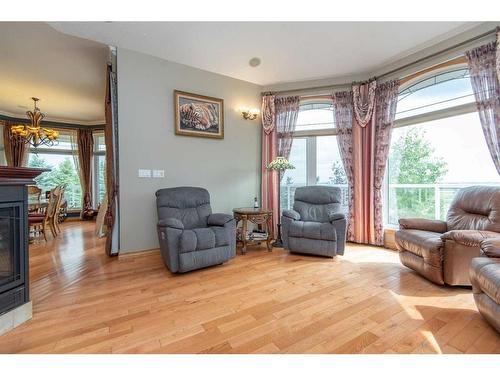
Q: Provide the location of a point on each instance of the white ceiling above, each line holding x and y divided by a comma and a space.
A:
66, 73
289, 51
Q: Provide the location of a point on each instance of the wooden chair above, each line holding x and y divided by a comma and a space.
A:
57, 210
41, 222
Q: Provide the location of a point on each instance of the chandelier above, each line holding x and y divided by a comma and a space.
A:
33, 133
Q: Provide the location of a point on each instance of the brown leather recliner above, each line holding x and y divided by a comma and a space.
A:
485, 279
442, 251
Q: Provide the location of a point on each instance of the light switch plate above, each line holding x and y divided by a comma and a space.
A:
144, 173
158, 173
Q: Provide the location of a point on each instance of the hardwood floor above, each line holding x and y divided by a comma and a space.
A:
364, 302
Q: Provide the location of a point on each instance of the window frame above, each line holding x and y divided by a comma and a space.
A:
311, 139
59, 151
95, 168
423, 118
310, 136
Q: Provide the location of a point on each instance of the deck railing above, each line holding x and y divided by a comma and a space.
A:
430, 201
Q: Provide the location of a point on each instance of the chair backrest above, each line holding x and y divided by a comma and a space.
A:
59, 201
54, 197
475, 207
191, 205
314, 203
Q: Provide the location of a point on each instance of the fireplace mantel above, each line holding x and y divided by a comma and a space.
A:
19, 175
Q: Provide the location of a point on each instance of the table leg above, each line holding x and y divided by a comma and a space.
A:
244, 236
269, 228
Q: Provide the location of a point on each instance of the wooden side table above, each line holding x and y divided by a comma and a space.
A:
261, 217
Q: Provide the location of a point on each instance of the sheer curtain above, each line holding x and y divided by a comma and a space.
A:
287, 112
386, 98
279, 118
343, 109
486, 86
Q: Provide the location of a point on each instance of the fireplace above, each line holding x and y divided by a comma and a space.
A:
14, 287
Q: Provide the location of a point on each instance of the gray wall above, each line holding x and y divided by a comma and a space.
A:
228, 168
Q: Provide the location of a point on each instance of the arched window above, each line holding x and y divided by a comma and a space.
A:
314, 153
315, 116
440, 91
437, 147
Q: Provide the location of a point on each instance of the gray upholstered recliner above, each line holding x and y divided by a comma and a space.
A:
316, 224
191, 237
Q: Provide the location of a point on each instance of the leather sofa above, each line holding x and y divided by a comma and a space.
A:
190, 235
442, 251
316, 225
485, 279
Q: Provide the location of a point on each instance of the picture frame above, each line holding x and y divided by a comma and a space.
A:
198, 115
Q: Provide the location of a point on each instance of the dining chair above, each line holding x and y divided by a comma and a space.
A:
41, 222
57, 210
34, 194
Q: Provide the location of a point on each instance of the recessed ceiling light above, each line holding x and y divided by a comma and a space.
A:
254, 62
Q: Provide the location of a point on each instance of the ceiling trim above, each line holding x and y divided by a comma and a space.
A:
53, 122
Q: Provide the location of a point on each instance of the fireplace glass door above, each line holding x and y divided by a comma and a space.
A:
10, 236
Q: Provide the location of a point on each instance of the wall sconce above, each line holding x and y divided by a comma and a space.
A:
249, 114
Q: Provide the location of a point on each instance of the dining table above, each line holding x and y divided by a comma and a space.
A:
35, 204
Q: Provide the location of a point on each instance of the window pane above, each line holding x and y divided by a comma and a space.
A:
314, 116
100, 177
430, 161
63, 172
62, 143
99, 144
3, 161
294, 178
441, 91
329, 168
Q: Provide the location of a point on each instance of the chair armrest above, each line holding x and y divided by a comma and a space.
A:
219, 220
490, 247
171, 223
292, 214
437, 226
470, 238
336, 216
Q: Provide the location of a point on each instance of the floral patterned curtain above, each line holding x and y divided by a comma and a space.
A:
486, 86
287, 111
363, 100
268, 113
343, 110
386, 98
498, 56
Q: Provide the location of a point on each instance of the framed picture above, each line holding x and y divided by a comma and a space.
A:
198, 115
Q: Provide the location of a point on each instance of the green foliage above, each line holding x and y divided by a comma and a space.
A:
413, 161
102, 177
63, 174
43, 181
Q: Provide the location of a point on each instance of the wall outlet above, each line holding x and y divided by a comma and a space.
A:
158, 173
144, 173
